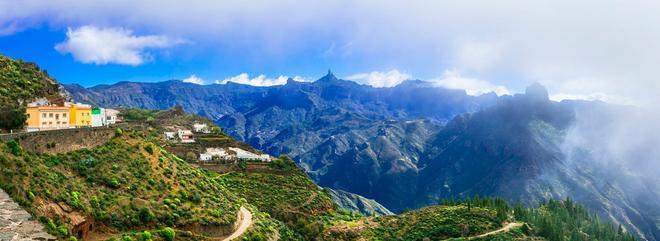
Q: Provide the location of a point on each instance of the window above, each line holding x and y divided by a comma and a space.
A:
64, 115
43, 123
43, 115
28, 116
50, 115
57, 116
64, 123
58, 122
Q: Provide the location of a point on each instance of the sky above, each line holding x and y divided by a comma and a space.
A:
605, 50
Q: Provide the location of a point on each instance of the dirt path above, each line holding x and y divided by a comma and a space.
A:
245, 218
503, 229
310, 199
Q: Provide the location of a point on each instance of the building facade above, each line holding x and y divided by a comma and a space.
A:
112, 116
47, 117
80, 115
98, 117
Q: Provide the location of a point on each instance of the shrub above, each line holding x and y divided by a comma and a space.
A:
149, 148
119, 132
282, 163
94, 201
14, 147
167, 233
146, 215
145, 236
114, 183
126, 238
242, 164
62, 230
50, 145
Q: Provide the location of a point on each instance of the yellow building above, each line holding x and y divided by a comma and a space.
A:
80, 115
47, 117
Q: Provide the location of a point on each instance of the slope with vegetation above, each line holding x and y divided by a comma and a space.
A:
411, 145
20, 83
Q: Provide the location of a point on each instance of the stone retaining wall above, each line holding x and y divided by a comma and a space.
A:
64, 140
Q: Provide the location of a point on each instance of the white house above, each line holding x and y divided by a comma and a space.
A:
98, 117
111, 116
170, 135
201, 128
243, 154
186, 136
205, 157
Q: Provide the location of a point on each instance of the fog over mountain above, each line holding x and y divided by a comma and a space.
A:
410, 145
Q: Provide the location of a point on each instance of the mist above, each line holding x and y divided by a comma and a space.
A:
623, 137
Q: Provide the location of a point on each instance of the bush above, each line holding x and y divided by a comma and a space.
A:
146, 215
126, 238
242, 164
50, 145
114, 183
14, 147
145, 236
119, 132
149, 148
282, 163
168, 233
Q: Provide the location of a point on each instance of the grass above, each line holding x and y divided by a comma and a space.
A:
285, 196
433, 223
119, 185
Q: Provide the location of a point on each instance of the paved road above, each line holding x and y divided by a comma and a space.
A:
246, 221
15, 223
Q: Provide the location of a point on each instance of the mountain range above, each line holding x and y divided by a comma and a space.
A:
411, 145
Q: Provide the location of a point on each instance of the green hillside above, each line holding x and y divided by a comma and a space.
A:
22, 82
134, 187
124, 184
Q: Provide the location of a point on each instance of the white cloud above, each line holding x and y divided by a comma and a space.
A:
260, 80
613, 43
91, 44
453, 80
194, 80
615, 99
380, 79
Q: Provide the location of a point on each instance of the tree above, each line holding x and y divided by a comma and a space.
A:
12, 117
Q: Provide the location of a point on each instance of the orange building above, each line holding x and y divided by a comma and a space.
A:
47, 117
80, 115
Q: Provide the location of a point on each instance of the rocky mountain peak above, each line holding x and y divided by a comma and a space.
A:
537, 91
328, 77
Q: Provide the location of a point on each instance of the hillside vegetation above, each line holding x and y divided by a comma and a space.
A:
123, 185
22, 82
482, 219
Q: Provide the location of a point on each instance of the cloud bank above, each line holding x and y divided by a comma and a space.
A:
193, 79
472, 86
572, 47
94, 45
380, 79
260, 80
244, 78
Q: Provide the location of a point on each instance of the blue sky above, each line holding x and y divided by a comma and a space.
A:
585, 50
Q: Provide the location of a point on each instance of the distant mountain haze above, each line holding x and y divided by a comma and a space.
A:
410, 145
